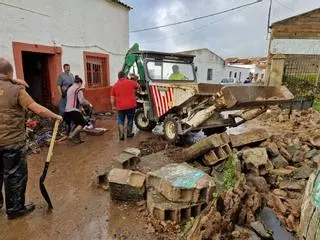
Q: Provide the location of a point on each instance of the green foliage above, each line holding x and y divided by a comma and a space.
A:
316, 105
186, 229
229, 176
302, 86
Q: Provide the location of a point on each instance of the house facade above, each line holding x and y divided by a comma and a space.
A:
38, 37
210, 66
239, 72
294, 48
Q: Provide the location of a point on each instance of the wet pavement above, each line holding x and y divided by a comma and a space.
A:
81, 209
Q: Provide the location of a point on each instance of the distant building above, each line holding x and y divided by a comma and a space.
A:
294, 48
210, 66
238, 69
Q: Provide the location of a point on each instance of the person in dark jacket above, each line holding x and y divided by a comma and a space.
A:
13, 165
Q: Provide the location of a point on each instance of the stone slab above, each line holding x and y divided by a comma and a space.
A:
182, 183
126, 185
246, 138
165, 210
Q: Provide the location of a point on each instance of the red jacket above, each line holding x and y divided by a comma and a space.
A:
124, 93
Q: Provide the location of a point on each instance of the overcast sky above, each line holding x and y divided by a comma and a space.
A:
241, 33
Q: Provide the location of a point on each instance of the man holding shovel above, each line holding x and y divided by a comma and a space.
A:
13, 166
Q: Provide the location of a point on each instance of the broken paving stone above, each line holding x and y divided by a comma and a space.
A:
316, 158
217, 155
279, 161
292, 185
293, 149
284, 172
280, 193
258, 182
256, 159
272, 149
298, 156
302, 172
285, 153
182, 183
127, 159
199, 166
165, 210
253, 136
260, 230
126, 185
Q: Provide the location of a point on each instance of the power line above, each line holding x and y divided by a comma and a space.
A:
23, 9
285, 6
194, 19
191, 30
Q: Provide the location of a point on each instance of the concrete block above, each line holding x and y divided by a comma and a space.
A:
165, 210
217, 155
253, 136
128, 158
182, 183
126, 185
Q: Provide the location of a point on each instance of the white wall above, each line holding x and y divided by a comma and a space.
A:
243, 69
78, 23
204, 60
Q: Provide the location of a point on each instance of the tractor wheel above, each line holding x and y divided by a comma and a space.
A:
170, 128
142, 122
210, 131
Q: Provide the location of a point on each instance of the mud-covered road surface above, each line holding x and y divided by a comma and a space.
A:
81, 209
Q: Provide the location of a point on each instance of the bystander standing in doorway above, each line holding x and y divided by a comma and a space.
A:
64, 81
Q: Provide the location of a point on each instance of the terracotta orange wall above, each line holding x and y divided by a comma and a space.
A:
54, 63
99, 98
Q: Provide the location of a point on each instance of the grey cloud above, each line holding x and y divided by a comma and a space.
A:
241, 33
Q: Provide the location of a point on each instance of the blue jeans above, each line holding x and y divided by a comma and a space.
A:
129, 113
62, 105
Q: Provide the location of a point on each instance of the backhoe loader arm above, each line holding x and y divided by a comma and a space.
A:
132, 57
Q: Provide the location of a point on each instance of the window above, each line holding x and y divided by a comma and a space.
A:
96, 69
209, 74
235, 75
230, 74
170, 71
239, 76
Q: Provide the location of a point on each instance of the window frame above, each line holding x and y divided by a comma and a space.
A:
211, 74
105, 68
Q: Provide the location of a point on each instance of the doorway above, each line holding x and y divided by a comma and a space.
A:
36, 74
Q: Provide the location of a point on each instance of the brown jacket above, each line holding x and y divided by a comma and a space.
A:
12, 115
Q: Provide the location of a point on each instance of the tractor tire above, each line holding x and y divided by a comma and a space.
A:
210, 131
170, 129
142, 122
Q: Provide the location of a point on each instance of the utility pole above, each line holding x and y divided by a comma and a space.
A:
269, 18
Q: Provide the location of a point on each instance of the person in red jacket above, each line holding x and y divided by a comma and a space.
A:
123, 100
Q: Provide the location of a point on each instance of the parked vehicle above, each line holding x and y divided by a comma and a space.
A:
183, 105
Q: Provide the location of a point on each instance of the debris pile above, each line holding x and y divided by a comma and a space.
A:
240, 178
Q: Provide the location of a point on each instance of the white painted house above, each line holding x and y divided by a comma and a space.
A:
239, 72
39, 36
210, 66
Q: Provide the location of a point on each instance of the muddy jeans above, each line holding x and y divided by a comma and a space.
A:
14, 174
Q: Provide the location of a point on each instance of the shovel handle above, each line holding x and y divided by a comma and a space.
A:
53, 139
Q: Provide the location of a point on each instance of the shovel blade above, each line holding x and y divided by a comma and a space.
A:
43, 189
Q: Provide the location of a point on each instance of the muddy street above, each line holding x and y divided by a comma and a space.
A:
81, 209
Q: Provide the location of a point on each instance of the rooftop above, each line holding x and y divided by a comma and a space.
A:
121, 3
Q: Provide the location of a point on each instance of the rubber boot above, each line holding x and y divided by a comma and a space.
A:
121, 132
73, 135
15, 178
130, 134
